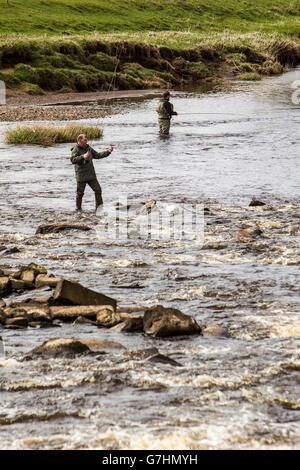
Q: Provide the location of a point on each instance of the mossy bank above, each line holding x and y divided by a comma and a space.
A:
140, 61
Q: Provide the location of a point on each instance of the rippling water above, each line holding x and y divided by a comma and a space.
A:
230, 393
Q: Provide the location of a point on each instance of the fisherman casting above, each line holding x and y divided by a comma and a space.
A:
82, 157
165, 111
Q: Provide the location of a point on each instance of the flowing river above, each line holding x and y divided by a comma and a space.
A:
235, 392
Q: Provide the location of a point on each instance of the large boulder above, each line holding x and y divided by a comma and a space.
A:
70, 347
73, 293
160, 321
59, 347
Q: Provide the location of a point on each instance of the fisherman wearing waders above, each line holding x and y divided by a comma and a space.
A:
165, 111
82, 157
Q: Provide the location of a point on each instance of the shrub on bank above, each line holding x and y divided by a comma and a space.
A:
250, 76
41, 135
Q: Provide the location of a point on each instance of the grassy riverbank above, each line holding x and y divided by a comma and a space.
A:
136, 44
141, 60
74, 16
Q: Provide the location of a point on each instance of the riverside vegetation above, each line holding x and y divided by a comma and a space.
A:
45, 135
153, 45
83, 64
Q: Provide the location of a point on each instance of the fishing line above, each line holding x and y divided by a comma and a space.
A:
111, 83
238, 114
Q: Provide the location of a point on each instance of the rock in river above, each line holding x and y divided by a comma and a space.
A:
255, 202
217, 331
161, 358
55, 228
17, 321
43, 280
68, 292
100, 345
107, 317
59, 347
133, 324
71, 312
70, 347
161, 321
5, 286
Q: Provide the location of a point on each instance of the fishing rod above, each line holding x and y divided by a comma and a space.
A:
110, 86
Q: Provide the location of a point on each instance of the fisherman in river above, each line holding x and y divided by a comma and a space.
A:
165, 111
82, 157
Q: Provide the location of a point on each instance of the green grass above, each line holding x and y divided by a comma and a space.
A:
92, 45
77, 16
46, 136
138, 60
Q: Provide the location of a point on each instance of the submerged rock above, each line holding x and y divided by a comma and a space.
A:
133, 324
10, 251
142, 354
217, 331
59, 347
257, 232
70, 347
255, 202
244, 233
55, 228
152, 355
147, 208
160, 358
98, 345
161, 321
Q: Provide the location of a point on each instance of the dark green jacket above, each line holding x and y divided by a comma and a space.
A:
165, 109
84, 169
